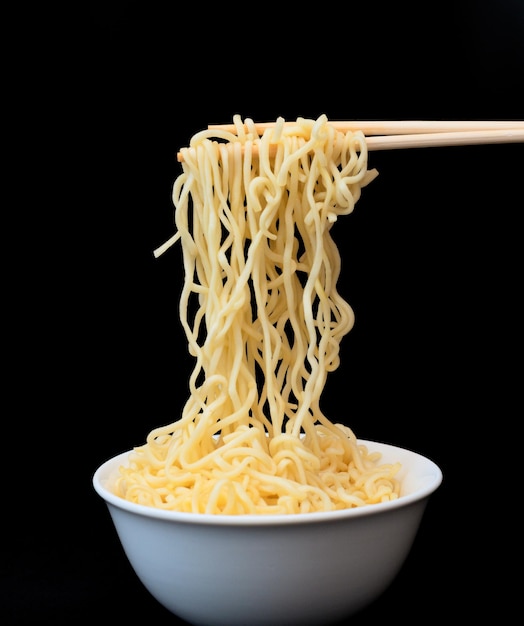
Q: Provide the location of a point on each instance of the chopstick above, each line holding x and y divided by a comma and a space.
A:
414, 134
394, 127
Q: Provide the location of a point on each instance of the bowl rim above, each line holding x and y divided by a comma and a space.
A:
433, 478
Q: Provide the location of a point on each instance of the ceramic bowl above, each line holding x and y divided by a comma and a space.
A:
310, 569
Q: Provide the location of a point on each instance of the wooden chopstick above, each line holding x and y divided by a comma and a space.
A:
394, 127
434, 138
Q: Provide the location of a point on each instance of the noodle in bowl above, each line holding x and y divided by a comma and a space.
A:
253, 507
313, 568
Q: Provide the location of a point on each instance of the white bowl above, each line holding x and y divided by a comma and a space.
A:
268, 570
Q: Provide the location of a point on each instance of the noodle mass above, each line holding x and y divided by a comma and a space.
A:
264, 322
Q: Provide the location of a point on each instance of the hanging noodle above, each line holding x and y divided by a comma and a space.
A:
264, 321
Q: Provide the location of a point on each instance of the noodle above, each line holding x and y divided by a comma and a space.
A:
264, 321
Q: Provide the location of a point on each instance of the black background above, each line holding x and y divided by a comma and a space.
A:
432, 259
